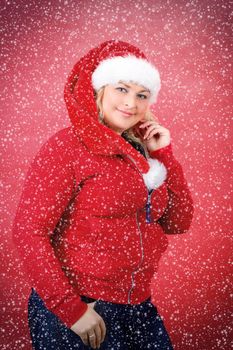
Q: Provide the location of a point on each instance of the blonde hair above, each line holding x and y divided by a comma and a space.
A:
130, 133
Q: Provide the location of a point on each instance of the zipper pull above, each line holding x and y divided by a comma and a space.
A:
148, 209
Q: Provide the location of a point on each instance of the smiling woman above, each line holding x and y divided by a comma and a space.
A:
98, 201
124, 105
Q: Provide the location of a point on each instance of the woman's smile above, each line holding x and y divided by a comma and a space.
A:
125, 113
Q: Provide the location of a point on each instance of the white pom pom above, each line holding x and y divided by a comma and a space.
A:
156, 175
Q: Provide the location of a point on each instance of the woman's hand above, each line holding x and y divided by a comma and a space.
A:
154, 135
90, 327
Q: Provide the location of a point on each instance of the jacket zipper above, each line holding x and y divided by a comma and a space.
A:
140, 263
148, 207
149, 194
148, 220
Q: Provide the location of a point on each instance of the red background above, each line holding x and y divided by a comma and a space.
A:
189, 42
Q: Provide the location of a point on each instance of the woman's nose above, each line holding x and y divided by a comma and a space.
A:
130, 101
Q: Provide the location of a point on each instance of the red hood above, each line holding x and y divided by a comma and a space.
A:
81, 105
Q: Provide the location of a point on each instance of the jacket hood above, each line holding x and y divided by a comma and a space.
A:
80, 101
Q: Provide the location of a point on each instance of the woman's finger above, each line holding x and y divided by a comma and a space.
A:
103, 330
98, 336
92, 339
150, 128
85, 339
153, 133
159, 140
148, 123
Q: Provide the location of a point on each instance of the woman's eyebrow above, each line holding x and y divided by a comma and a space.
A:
130, 86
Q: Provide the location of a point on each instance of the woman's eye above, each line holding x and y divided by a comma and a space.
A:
142, 97
121, 89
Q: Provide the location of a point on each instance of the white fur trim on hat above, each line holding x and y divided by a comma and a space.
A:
127, 69
156, 175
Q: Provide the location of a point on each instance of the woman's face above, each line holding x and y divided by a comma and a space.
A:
124, 105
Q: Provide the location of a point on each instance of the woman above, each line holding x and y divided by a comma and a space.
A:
98, 200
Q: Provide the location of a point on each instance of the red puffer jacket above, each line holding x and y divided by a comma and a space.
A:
105, 246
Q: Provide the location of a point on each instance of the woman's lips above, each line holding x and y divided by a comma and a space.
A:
125, 113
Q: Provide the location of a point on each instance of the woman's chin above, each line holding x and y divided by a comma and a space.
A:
119, 129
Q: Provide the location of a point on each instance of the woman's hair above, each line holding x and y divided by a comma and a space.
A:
129, 133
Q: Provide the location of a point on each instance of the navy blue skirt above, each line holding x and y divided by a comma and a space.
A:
128, 327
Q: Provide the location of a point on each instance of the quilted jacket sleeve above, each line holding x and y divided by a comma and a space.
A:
179, 212
48, 189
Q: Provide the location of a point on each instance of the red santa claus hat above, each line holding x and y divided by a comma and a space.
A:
128, 65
